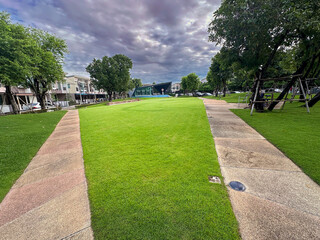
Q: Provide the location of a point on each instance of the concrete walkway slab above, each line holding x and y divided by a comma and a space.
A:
280, 201
50, 200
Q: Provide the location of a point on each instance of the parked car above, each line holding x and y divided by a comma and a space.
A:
199, 94
32, 106
315, 90
207, 94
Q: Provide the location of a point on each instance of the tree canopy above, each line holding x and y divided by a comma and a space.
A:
268, 38
46, 54
190, 82
111, 74
14, 60
29, 57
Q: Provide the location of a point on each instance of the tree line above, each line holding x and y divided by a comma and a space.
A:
265, 39
33, 58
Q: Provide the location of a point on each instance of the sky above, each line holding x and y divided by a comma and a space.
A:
166, 39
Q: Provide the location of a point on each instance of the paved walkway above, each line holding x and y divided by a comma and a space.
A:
280, 201
49, 200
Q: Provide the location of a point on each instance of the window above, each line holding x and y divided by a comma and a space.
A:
77, 88
64, 88
68, 85
0, 100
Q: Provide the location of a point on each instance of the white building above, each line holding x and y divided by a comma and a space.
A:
175, 87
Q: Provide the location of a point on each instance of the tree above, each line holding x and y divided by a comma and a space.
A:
123, 65
219, 73
184, 86
190, 82
135, 83
14, 41
257, 32
46, 53
205, 87
110, 73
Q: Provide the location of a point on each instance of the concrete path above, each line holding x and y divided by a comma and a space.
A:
280, 201
49, 200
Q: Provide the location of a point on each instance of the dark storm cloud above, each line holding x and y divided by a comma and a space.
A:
165, 39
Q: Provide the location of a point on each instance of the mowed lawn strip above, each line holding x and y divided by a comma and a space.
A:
147, 165
295, 132
21, 138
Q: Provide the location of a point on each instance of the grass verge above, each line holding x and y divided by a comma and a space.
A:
230, 98
147, 165
295, 132
21, 138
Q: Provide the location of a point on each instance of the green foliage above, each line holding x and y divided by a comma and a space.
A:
134, 83
46, 54
190, 82
219, 73
14, 60
111, 73
269, 38
21, 138
205, 87
30, 57
294, 132
147, 179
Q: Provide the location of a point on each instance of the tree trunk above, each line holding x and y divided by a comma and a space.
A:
314, 100
224, 88
301, 97
12, 101
110, 97
43, 101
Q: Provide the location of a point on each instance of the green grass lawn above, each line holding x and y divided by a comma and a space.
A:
21, 138
147, 165
230, 98
234, 97
295, 132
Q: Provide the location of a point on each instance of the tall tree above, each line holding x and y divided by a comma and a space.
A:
190, 83
14, 60
136, 82
123, 66
257, 31
111, 73
219, 73
47, 55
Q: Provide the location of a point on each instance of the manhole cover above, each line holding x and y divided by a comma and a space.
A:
214, 179
238, 186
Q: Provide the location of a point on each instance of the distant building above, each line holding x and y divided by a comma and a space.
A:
23, 97
176, 87
204, 80
74, 88
153, 90
78, 89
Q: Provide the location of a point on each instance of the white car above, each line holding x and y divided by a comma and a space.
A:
32, 106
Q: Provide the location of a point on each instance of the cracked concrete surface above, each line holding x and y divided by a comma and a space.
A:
280, 202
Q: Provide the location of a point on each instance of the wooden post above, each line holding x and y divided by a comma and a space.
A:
304, 95
255, 97
19, 104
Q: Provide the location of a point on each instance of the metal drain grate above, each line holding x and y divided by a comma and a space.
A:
238, 186
214, 179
